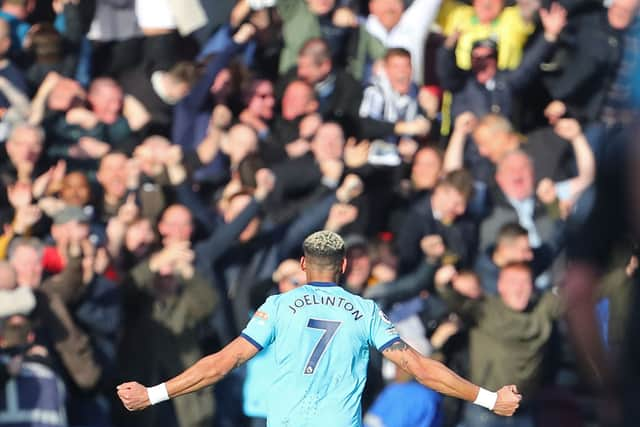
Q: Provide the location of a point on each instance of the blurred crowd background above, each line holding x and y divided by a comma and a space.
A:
163, 160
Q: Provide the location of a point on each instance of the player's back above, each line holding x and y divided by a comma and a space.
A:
321, 336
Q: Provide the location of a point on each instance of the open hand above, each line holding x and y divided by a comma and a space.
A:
553, 21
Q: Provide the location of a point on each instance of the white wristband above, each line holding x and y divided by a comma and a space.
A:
486, 399
256, 4
157, 393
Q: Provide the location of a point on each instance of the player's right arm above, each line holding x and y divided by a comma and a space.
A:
438, 377
259, 333
208, 370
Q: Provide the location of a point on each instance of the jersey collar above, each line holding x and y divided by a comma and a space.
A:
322, 284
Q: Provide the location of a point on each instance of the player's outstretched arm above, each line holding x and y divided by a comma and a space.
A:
206, 371
438, 377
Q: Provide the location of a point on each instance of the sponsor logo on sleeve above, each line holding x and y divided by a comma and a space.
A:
384, 317
261, 315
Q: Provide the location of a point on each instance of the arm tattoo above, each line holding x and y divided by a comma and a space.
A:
400, 346
397, 346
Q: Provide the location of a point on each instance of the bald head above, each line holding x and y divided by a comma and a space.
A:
298, 99
106, 98
494, 135
241, 141
176, 225
622, 12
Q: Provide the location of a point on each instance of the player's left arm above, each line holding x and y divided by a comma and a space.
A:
206, 371
438, 377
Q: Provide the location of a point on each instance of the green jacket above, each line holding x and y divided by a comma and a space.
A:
161, 340
299, 25
506, 346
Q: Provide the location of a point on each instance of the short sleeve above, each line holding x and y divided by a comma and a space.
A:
260, 330
382, 333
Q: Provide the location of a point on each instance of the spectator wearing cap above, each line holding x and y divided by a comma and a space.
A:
484, 88
483, 19
69, 223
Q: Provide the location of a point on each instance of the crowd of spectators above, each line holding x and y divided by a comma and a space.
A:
162, 161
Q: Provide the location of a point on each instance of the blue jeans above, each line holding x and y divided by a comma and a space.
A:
476, 416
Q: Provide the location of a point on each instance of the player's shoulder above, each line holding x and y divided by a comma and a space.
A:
284, 298
365, 302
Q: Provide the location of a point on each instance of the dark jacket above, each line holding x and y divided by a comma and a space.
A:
587, 63
460, 237
469, 95
339, 101
69, 344
502, 212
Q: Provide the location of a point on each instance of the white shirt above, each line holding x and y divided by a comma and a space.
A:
155, 14
410, 32
113, 24
525, 210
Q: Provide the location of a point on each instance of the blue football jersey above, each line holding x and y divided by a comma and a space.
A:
320, 336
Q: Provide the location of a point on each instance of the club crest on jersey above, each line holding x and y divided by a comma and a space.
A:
384, 317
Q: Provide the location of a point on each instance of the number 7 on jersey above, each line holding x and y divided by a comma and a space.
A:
330, 327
